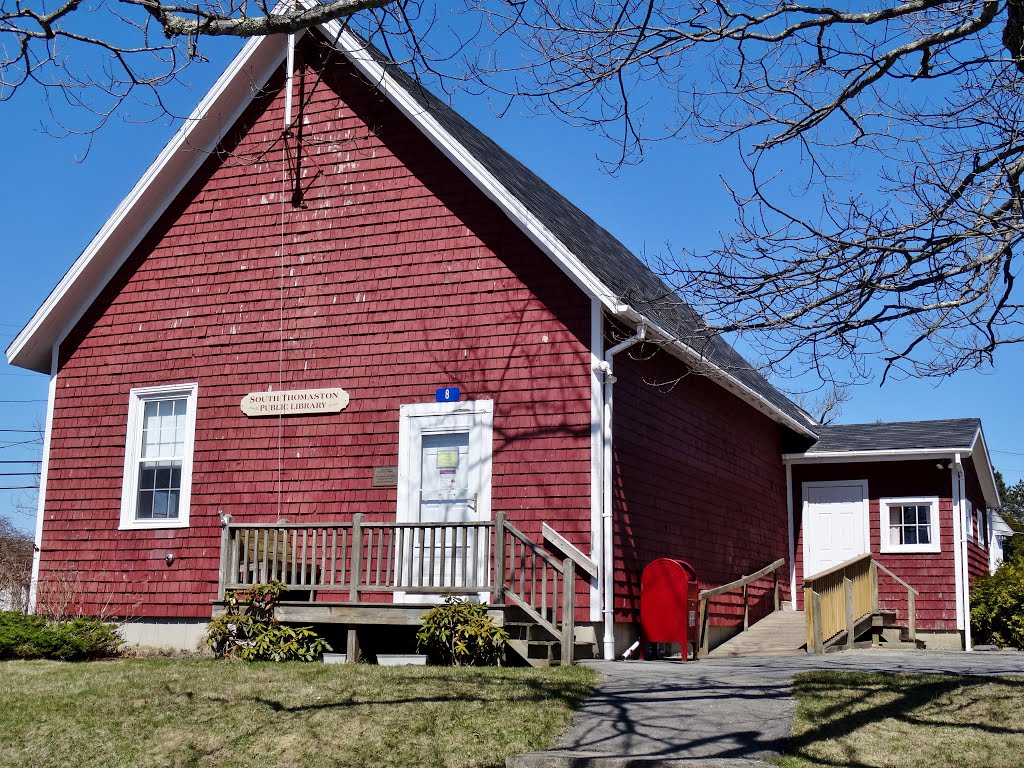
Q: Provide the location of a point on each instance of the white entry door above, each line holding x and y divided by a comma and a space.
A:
835, 523
444, 478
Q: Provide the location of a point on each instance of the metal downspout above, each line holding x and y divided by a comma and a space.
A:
962, 550
608, 573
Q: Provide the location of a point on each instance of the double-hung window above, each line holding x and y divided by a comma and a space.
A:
158, 457
910, 525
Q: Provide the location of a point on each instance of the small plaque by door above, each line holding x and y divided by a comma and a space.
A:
385, 477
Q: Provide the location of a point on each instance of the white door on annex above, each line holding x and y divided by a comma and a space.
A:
444, 494
835, 523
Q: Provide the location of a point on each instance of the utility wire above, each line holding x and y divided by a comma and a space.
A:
18, 487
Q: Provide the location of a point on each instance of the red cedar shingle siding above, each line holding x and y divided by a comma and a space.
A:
931, 574
396, 278
700, 478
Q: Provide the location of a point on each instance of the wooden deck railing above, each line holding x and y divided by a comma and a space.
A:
840, 600
743, 584
351, 559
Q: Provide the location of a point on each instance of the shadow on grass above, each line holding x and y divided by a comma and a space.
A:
927, 702
469, 690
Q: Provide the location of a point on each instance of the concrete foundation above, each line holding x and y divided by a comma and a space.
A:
942, 641
170, 634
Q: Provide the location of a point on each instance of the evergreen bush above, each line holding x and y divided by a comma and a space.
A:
25, 636
459, 633
249, 631
997, 606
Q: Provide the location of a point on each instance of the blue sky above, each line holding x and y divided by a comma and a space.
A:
53, 201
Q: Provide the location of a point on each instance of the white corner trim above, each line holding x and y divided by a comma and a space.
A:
137, 399
596, 454
886, 547
791, 528
44, 476
958, 541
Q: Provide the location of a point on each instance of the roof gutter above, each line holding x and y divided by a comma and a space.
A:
691, 357
896, 453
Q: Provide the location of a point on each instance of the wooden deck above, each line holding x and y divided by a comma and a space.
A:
373, 573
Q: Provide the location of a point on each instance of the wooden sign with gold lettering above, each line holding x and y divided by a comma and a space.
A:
294, 401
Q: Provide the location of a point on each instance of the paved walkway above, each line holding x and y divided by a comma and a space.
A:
727, 712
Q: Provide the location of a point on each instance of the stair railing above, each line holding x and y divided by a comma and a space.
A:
533, 580
743, 583
911, 599
839, 600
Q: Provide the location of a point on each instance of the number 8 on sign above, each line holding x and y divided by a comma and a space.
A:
447, 395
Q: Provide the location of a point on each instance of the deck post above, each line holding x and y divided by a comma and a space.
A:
702, 623
777, 589
819, 640
499, 559
225, 556
746, 610
848, 593
911, 616
352, 646
568, 611
357, 559
874, 586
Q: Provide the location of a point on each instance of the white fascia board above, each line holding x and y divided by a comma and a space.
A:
520, 215
986, 473
173, 168
844, 457
720, 376
356, 51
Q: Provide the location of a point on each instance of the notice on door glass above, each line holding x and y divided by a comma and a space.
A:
448, 461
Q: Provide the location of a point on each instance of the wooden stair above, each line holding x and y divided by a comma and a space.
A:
535, 646
781, 633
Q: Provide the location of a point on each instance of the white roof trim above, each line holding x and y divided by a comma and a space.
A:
132, 220
837, 457
189, 148
978, 453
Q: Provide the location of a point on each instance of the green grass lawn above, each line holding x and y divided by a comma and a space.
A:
866, 720
168, 712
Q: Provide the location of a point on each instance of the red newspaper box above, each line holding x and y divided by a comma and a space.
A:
669, 604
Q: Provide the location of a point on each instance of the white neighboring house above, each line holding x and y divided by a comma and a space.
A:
999, 532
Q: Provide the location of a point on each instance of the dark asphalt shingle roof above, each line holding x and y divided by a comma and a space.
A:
626, 276
895, 436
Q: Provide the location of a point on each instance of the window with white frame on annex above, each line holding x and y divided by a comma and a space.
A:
979, 526
969, 515
158, 456
910, 525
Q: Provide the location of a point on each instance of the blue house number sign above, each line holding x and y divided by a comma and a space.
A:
447, 395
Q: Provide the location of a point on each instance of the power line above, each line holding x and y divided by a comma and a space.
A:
18, 487
20, 474
22, 401
23, 431
1009, 453
21, 461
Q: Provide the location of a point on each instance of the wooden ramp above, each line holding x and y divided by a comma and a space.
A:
782, 633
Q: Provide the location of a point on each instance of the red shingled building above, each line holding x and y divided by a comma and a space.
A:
335, 241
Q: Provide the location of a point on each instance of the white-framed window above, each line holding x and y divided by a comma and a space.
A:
969, 514
979, 526
158, 456
910, 524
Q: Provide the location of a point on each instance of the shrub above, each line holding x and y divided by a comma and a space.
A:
997, 606
253, 634
460, 633
33, 637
